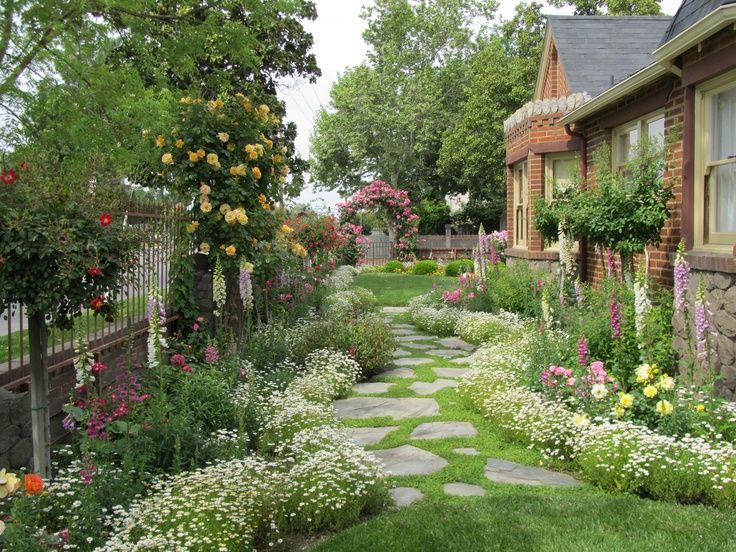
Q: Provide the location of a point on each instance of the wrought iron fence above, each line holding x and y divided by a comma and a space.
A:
161, 226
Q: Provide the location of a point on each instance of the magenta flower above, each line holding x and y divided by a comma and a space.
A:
582, 351
682, 277
211, 354
615, 318
178, 360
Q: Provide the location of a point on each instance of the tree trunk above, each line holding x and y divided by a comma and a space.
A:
38, 336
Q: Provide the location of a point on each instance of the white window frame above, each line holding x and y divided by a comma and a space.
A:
641, 125
705, 235
549, 179
521, 204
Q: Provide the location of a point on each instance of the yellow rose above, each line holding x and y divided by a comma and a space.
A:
247, 105
253, 154
206, 207
193, 157
213, 159
253, 242
650, 391
204, 189
664, 408
266, 206
214, 104
160, 140
276, 158
242, 218
230, 250
223, 136
259, 149
224, 208
261, 198
256, 172
204, 247
263, 111
626, 400
285, 170
700, 408
191, 228
167, 159
186, 100
239, 170
231, 217
248, 267
200, 153
268, 142
618, 411
179, 143
9, 483
286, 229
667, 383
283, 149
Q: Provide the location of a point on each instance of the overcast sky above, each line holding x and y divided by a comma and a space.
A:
338, 44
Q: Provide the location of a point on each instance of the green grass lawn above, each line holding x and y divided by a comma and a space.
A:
512, 517
397, 289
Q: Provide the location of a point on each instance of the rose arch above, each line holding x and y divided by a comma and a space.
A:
379, 195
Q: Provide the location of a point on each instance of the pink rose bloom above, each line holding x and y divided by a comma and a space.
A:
187, 368
571, 382
195, 327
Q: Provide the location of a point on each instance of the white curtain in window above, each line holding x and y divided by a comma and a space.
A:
723, 146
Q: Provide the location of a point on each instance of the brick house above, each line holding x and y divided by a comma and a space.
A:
616, 80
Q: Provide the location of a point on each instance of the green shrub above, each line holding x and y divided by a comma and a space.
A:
349, 304
427, 266
393, 266
461, 266
513, 288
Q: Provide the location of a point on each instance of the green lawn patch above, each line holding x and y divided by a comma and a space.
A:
398, 289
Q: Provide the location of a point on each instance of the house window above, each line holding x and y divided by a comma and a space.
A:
521, 204
560, 172
627, 137
715, 163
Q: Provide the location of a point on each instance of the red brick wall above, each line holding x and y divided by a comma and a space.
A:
554, 83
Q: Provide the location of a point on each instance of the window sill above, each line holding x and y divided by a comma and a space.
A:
714, 260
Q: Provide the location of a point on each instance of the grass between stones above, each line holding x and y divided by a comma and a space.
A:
511, 517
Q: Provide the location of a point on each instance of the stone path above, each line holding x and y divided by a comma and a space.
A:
407, 459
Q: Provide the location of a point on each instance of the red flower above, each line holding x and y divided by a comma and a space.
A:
105, 219
186, 368
8, 177
33, 483
97, 303
98, 367
94, 271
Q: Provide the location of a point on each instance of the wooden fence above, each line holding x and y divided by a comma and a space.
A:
378, 251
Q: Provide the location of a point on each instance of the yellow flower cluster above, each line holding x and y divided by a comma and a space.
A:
204, 198
195, 156
234, 215
263, 200
230, 250
212, 105
160, 141
245, 102
223, 136
664, 408
204, 247
192, 227
262, 112
254, 151
9, 483
167, 159
298, 249
214, 160
239, 170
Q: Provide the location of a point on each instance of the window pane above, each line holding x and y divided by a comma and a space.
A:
723, 125
562, 173
724, 196
626, 143
655, 129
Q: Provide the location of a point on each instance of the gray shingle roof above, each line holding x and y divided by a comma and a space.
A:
599, 51
689, 13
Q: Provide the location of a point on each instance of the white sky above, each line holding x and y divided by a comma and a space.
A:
338, 44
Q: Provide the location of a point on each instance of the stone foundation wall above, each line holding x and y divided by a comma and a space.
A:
721, 296
16, 447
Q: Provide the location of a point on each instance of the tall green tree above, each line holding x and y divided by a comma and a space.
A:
611, 7
502, 77
387, 115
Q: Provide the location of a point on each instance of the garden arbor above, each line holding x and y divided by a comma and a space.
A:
395, 203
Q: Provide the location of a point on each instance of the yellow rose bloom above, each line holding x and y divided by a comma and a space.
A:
268, 142
242, 218
283, 149
664, 408
9, 483
200, 153
263, 111
667, 383
204, 199
186, 100
286, 229
179, 143
700, 408
224, 208
618, 411
249, 148
253, 242
213, 159
650, 391
238, 170
259, 149
204, 247
206, 207
193, 157
247, 105
204, 189
266, 206
302, 251
626, 400
276, 158
167, 158
230, 250
223, 136
248, 267
261, 198
231, 217
285, 170
253, 154
643, 373
192, 227
160, 140
256, 172
214, 104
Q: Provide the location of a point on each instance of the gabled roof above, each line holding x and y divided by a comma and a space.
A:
597, 52
689, 13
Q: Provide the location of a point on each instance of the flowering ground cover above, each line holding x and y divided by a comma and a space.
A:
507, 517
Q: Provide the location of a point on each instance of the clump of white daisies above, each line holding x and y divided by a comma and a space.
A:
311, 475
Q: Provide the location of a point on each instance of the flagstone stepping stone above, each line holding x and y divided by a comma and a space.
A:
369, 435
466, 451
463, 360
398, 353
399, 373
456, 343
414, 337
417, 345
463, 489
394, 310
404, 331
446, 353
409, 460
371, 387
443, 430
424, 388
405, 326
403, 496
450, 372
397, 408
411, 361
503, 471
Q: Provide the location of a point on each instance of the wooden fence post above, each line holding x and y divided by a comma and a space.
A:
38, 337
